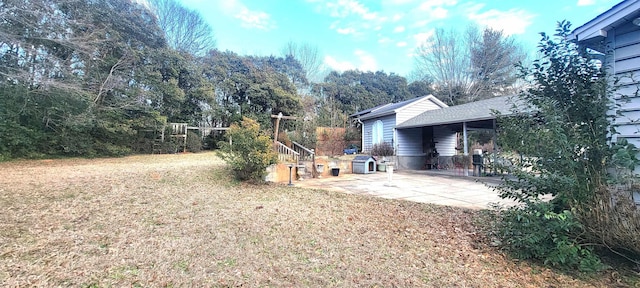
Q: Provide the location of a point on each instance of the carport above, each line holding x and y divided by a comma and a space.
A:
479, 115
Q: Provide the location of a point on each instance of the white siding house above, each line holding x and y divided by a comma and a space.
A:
372, 129
438, 129
384, 119
616, 34
431, 135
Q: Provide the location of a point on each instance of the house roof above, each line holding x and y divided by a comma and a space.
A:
474, 111
598, 27
389, 109
367, 111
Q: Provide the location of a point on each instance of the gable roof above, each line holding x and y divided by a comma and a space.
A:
367, 111
393, 108
597, 28
474, 111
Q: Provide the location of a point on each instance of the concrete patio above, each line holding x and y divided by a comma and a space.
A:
442, 187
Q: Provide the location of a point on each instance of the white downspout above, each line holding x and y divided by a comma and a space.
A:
361, 136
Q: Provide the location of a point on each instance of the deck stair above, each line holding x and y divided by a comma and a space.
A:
306, 161
301, 157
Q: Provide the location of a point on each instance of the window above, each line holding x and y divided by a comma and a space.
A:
377, 132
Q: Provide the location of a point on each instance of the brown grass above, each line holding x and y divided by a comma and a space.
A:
177, 220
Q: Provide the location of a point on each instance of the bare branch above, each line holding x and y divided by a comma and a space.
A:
307, 55
469, 66
186, 30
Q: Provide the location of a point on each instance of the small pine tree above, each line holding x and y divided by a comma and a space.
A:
250, 151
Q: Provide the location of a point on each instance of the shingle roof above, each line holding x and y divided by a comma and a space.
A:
474, 111
392, 108
366, 111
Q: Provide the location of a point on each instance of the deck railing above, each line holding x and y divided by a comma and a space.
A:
305, 153
286, 154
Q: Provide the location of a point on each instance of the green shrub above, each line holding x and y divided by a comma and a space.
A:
563, 150
211, 141
194, 142
250, 151
170, 146
535, 231
382, 149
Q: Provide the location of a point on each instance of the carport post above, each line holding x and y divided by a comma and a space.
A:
465, 147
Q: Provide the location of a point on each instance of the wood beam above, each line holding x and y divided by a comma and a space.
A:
277, 128
465, 146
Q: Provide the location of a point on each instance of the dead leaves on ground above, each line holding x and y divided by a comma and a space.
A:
177, 220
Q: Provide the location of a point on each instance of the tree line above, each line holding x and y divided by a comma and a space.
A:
84, 78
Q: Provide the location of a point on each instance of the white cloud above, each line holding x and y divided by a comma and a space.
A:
338, 65
384, 40
429, 4
513, 21
586, 2
353, 14
345, 8
248, 18
366, 62
346, 31
439, 13
364, 19
255, 19
435, 10
401, 44
422, 38
398, 2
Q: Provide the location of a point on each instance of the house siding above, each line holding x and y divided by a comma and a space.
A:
410, 142
623, 61
416, 109
446, 140
388, 123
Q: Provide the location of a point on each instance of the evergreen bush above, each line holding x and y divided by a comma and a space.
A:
194, 142
250, 151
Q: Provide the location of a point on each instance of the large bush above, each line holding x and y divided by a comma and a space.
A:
249, 152
561, 134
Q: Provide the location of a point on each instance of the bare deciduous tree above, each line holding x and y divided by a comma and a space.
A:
445, 59
186, 30
493, 60
309, 57
469, 66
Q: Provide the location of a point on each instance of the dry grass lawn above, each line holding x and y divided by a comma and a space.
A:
178, 220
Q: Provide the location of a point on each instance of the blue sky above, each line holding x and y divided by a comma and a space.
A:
381, 34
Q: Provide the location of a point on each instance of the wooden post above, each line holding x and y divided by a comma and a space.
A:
275, 132
466, 147
277, 128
